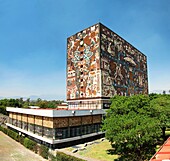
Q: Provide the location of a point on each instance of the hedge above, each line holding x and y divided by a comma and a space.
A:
43, 151
29, 144
64, 157
13, 135
4, 130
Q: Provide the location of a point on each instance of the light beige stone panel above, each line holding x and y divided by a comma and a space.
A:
48, 122
14, 116
19, 117
24, 118
38, 120
10, 114
31, 119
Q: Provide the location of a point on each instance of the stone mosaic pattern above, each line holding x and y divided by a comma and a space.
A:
83, 64
60, 122
102, 64
97, 119
87, 120
74, 121
124, 68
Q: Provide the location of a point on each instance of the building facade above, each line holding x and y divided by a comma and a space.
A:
101, 64
56, 127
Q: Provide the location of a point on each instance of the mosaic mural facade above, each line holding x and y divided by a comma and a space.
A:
124, 68
83, 64
101, 64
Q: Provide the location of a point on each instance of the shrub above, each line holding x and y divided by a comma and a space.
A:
13, 134
21, 140
4, 130
36, 148
52, 157
3, 110
44, 151
29, 144
64, 157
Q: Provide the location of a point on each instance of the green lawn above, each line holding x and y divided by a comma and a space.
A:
167, 133
98, 151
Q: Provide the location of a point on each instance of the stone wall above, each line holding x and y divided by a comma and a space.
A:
60, 122
48, 122
38, 120
97, 119
86, 120
74, 121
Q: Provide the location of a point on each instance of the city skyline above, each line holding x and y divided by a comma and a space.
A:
34, 37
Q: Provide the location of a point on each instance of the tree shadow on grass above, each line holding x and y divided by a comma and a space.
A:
121, 157
111, 152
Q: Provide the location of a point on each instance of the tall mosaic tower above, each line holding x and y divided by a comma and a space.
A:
101, 64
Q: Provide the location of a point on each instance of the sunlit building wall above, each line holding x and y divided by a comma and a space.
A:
101, 64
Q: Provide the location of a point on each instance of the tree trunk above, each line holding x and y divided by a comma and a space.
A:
163, 133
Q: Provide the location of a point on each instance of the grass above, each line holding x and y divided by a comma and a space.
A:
101, 151
167, 133
98, 151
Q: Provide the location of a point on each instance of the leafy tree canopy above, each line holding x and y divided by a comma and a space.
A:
25, 103
134, 124
132, 136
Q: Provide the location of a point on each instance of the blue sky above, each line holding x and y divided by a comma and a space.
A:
33, 37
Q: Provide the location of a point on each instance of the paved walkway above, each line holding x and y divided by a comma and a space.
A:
10, 150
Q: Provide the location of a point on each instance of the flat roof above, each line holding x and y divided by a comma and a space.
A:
56, 112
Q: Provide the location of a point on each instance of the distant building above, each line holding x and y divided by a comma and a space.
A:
101, 64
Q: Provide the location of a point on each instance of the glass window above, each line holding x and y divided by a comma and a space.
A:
19, 124
31, 128
58, 133
10, 120
78, 131
88, 129
84, 130
72, 131
14, 122
38, 129
48, 132
24, 125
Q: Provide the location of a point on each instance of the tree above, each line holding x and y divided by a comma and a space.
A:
161, 111
132, 136
131, 128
